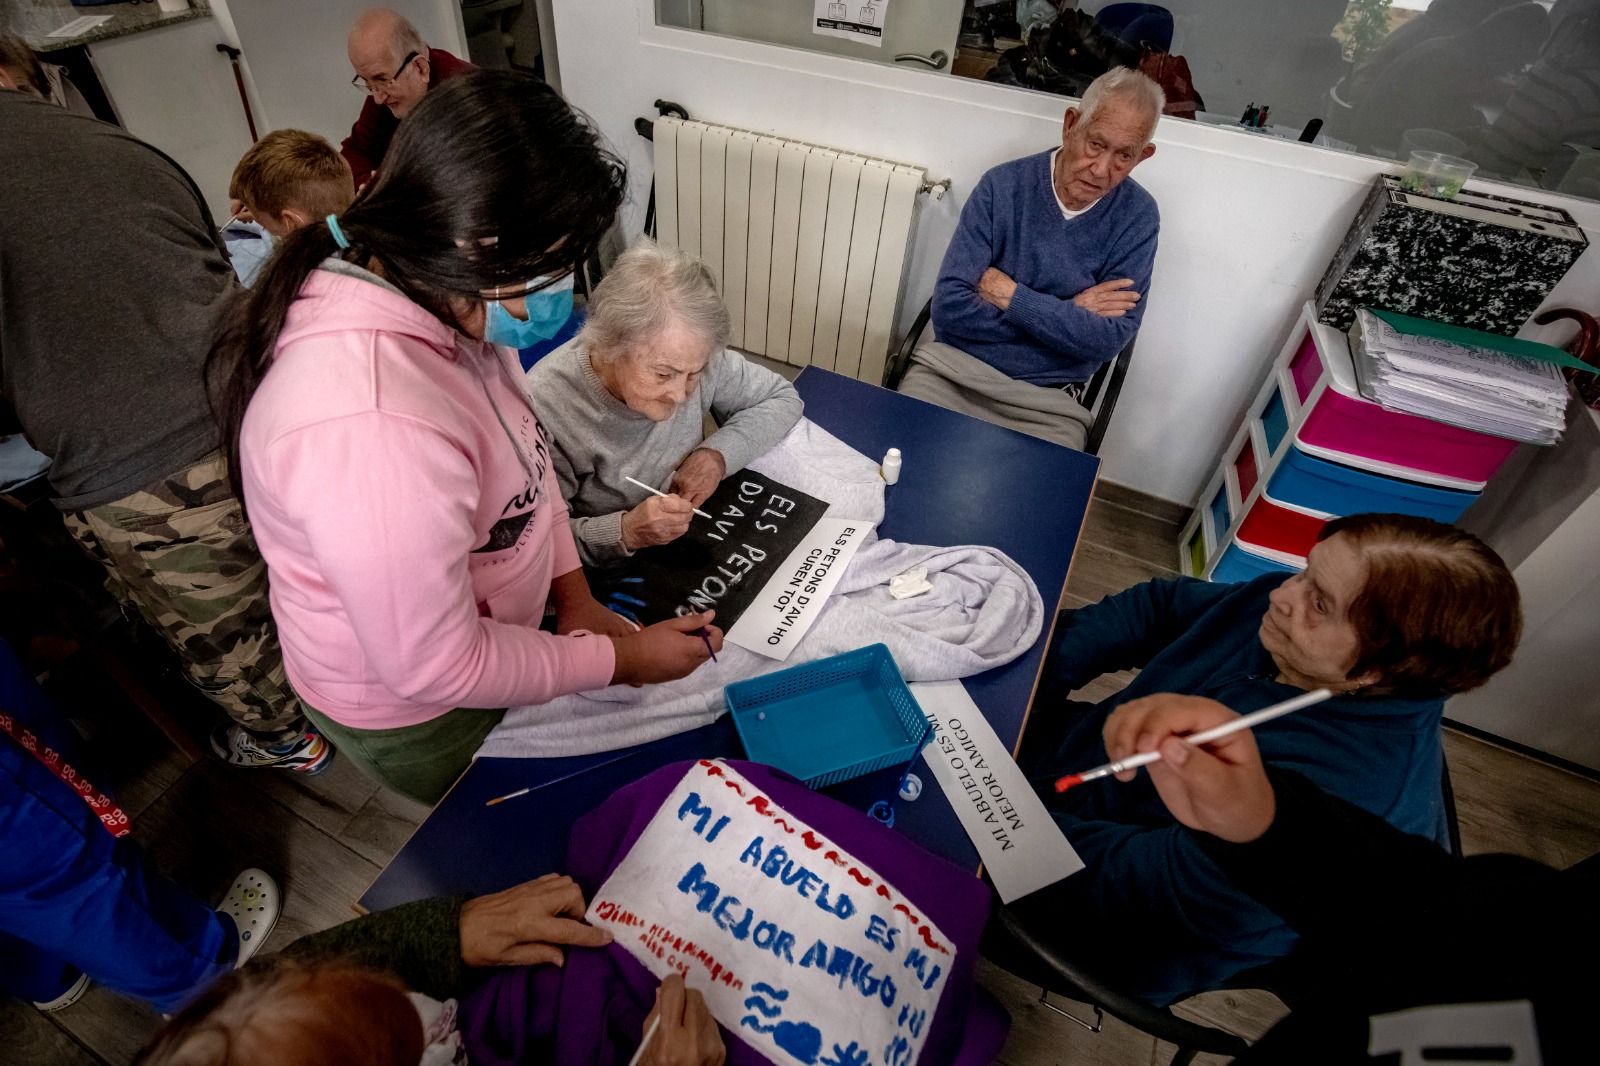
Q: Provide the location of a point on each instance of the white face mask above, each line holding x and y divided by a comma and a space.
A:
443, 1038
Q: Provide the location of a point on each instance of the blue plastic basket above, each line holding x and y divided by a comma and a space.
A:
829, 720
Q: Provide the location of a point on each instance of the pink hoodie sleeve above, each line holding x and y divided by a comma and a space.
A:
385, 505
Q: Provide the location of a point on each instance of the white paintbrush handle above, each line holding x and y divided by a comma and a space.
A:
1255, 718
1145, 758
644, 1042
658, 492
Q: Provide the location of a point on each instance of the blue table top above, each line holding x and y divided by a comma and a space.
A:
963, 482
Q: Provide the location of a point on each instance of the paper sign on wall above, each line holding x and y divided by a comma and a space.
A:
785, 609
854, 20
1021, 846
799, 948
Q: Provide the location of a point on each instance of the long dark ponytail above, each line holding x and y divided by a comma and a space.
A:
491, 181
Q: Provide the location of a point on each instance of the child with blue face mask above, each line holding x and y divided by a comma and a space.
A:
400, 483
287, 180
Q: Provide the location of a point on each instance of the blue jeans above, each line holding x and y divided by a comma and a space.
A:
74, 899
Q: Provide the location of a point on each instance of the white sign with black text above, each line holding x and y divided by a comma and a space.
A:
786, 608
853, 20
1021, 846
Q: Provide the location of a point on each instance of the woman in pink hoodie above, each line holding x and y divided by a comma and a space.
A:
397, 479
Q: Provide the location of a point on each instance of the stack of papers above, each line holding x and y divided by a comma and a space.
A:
1474, 380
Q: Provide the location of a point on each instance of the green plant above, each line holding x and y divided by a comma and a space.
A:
1363, 28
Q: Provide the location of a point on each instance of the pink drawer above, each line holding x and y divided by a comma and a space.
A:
1305, 367
1338, 423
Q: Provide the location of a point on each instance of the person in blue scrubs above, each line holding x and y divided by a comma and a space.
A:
77, 902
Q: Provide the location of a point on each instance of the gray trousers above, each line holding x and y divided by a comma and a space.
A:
953, 379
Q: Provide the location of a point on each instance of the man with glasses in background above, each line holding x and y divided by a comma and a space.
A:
395, 68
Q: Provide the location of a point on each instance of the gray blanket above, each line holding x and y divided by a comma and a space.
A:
953, 379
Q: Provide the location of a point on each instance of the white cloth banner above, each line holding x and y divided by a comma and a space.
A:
861, 21
798, 947
785, 609
1021, 846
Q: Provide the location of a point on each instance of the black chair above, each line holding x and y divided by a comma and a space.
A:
1099, 394
1012, 945
1447, 793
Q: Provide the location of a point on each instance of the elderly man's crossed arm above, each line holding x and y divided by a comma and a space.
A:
1109, 299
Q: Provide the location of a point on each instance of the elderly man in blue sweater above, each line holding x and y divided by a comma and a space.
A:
1044, 278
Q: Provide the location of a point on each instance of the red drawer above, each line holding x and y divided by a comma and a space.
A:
1280, 528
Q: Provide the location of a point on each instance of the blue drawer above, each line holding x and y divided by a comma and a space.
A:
1220, 516
1236, 564
1275, 420
1316, 484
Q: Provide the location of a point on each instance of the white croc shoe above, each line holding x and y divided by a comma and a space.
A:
253, 903
66, 999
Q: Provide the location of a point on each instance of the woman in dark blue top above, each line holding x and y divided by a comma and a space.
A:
1393, 613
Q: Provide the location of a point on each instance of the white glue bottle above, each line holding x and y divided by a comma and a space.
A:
891, 466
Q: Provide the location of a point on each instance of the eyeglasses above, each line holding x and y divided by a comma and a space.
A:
381, 83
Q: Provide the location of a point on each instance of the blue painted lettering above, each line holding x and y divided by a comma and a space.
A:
916, 960
694, 882
879, 931
693, 808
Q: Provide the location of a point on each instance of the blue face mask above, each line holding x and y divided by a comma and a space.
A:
548, 311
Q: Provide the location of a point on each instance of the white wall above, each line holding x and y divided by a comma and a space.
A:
1248, 222
172, 88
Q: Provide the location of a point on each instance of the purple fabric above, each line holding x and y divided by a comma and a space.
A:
592, 1011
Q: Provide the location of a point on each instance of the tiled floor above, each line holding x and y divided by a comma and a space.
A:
326, 838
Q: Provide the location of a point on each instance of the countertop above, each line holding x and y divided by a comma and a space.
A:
35, 19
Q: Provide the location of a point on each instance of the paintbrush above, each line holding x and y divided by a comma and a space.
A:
658, 492
1266, 714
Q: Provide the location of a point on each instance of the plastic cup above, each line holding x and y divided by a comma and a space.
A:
1422, 139
1436, 174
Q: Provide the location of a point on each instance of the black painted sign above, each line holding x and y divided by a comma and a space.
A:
722, 563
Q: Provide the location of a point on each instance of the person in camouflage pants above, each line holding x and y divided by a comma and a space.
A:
111, 388
181, 551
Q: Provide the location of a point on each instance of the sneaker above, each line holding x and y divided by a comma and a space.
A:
66, 999
253, 903
309, 753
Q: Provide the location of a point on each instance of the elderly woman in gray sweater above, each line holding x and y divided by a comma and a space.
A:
628, 397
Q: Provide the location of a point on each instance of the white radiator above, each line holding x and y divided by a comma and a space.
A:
808, 245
